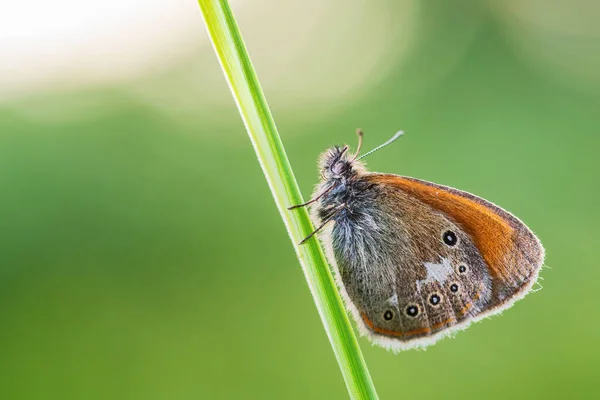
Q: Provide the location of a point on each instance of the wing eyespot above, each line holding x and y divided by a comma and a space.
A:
450, 238
463, 268
412, 310
435, 299
454, 288
388, 315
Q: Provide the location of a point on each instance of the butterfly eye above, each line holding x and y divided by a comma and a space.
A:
339, 168
450, 238
462, 268
412, 310
435, 299
454, 288
388, 315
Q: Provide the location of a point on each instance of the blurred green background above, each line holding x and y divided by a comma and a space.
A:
142, 257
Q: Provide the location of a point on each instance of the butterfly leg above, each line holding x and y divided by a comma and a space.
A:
333, 214
317, 197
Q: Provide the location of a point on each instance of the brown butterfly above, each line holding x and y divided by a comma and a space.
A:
416, 261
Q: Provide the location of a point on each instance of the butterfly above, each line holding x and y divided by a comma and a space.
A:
416, 261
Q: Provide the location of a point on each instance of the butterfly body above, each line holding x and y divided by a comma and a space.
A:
414, 260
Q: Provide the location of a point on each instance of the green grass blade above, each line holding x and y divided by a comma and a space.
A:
251, 102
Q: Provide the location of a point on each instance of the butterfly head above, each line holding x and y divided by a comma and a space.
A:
337, 165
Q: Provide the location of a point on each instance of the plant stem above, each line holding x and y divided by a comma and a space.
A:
252, 105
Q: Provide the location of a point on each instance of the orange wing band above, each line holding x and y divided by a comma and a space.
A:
491, 232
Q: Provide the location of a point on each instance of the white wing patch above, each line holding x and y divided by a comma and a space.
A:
436, 272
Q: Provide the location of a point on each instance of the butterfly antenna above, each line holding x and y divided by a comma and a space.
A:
392, 140
359, 133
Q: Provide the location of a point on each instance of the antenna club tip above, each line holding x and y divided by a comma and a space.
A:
393, 139
359, 132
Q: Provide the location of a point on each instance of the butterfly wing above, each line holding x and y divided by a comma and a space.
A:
417, 260
511, 251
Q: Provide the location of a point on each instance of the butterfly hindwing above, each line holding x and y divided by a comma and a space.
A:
403, 281
415, 260
412, 268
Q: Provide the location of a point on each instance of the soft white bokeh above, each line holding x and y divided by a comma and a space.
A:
159, 50
307, 54
68, 44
